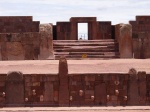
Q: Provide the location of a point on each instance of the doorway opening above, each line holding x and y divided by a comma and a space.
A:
82, 31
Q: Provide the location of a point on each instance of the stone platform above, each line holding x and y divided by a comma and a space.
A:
78, 109
76, 66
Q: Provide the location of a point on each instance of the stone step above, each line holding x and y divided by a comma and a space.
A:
86, 41
89, 44
86, 50
88, 56
94, 49
80, 47
88, 53
85, 44
86, 47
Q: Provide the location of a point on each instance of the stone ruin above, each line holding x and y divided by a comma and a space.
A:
21, 38
24, 39
64, 89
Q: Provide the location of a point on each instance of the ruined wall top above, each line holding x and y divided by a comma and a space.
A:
18, 24
83, 19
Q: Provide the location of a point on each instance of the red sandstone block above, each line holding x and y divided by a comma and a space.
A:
27, 84
2, 78
76, 78
114, 98
56, 93
2, 84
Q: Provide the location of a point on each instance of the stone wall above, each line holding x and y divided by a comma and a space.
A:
64, 89
141, 37
83, 90
27, 42
18, 24
96, 29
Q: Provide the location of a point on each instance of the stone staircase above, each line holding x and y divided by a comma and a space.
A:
86, 49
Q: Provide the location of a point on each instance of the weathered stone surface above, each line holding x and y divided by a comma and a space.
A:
64, 84
145, 45
48, 93
125, 41
46, 41
15, 51
100, 94
133, 92
28, 52
142, 87
15, 89
4, 51
18, 24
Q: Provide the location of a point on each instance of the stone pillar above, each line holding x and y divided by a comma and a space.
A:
46, 42
125, 41
145, 46
133, 92
73, 31
3, 46
49, 92
142, 88
14, 89
64, 84
92, 30
100, 94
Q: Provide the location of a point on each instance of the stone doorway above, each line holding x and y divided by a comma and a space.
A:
82, 31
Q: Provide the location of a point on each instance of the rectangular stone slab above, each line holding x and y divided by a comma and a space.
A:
100, 94
133, 94
48, 93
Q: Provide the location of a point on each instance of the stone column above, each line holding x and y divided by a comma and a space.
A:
74, 35
144, 40
125, 41
64, 84
142, 88
133, 92
94, 31
46, 42
14, 89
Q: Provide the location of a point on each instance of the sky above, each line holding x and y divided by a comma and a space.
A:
51, 11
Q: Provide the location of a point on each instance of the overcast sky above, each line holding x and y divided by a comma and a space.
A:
51, 11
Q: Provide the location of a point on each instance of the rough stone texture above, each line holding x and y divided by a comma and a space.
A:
141, 37
133, 92
14, 89
23, 41
46, 41
132, 85
48, 93
125, 41
15, 51
142, 88
141, 46
100, 94
104, 30
145, 46
63, 87
18, 24
24, 46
